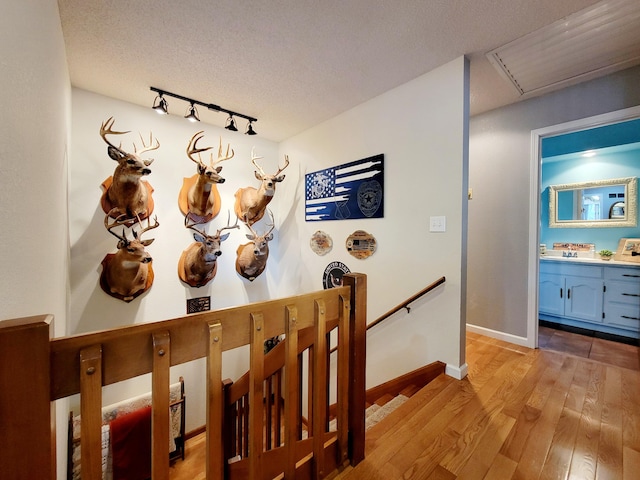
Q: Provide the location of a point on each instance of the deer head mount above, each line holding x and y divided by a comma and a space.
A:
198, 263
127, 273
199, 196
251, 258
125, 192
251, 202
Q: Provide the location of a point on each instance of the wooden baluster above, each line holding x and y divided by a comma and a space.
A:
27, 411
319, 389
215, 404
160, 406
342, 407
245, 425
91, 412
291, 391
256, 394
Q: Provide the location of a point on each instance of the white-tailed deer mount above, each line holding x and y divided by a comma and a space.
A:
128, 272
251, 258
199, 195
125, 193
198, 263
251, 203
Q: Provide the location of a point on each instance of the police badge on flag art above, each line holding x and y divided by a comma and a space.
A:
349, 191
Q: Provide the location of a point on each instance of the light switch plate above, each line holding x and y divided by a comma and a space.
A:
438, 224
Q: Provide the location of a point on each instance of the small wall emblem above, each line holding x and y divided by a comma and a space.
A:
361, 244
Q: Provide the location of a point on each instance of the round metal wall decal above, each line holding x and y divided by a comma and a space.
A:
361, 244
332, 276
321, 243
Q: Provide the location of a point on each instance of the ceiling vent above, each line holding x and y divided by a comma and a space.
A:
593, 42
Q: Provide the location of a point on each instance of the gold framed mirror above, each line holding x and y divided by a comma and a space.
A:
595, 204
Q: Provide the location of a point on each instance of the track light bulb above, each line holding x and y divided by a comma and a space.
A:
231, 124
250, 130
160, 105
192, 114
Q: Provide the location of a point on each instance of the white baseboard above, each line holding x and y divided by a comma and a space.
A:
507, 337
456, 372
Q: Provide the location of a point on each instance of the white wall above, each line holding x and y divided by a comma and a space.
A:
499, 173
419, 127
91, 308
34, 130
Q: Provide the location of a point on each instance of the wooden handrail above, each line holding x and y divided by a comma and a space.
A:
402, 305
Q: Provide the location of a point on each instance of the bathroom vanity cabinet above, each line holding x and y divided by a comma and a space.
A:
591, 294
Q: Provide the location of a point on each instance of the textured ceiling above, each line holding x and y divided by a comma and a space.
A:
290, 63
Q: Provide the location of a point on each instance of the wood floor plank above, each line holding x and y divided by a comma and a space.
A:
502, 468
479, 463
585, 455
539, 440
631, 467
610, 452
631, 409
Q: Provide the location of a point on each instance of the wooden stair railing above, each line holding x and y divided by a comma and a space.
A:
36, 370
402, 305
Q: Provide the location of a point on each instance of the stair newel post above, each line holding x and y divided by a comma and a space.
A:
215, 403
292, 389
160, 406
28, 444
256, 395
357, 364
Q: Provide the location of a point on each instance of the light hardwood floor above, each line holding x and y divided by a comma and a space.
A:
520, 414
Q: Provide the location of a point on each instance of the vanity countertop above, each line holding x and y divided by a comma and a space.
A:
591, 261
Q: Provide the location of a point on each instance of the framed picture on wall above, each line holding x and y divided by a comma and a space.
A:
628, 250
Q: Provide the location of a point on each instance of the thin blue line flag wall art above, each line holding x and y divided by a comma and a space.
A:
346, 192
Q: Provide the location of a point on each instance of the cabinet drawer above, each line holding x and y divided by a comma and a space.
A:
622, 316
566, 268
623, 292
624, 274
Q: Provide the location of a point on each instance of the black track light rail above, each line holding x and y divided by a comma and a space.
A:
209, 106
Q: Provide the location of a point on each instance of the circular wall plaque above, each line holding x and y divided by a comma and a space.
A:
332, 276
361, 244
321, 243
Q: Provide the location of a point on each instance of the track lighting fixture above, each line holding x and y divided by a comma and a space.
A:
250, 130
160, 105
231, 124
192, 114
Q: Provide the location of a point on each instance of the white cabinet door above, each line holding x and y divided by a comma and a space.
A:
583, 298
551, 294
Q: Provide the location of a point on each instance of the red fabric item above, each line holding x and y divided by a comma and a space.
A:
131, 445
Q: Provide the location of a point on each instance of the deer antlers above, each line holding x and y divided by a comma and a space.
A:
192, 149
125, 221
107, 129
254, 157
192, 226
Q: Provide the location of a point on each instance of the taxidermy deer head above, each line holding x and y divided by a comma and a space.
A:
198, 263
251, 203
128, 194
128, 272
251, 258
200, 197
